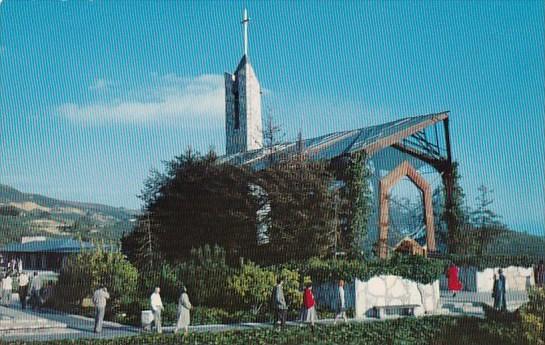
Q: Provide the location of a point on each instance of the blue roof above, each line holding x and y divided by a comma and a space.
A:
336, 144
67, 245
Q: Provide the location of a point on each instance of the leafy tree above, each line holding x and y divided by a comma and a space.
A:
197, 201
87, 271
486, 222
301, 220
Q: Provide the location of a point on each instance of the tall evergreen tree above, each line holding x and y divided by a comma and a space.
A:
456, 215
486, 222
197, 201
483, 216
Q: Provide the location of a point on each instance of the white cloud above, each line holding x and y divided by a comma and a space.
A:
101, 84
172, 98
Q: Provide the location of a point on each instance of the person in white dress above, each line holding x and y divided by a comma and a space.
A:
157, 308
7, 285
341, 304
184, 317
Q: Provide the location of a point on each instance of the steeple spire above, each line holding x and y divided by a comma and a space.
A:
243, 125
245, 21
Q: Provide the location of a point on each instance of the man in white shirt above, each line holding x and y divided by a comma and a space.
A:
35, 292
19, 265
99, 300
23, 288
157, 307
7, 285
341, 305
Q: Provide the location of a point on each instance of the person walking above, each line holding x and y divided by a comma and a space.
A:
184, 317
100, 297
454, 284
501, 289
2, 298
23, 281
157, 307
495, 292
35, 289
279, 303
341, 304
539, 274
7, 286
309, 307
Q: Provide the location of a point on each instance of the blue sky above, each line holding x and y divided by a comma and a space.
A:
94, 94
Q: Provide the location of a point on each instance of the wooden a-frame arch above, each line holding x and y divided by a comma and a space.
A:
386, 183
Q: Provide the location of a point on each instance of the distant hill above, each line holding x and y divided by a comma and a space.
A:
517, 243
24, 214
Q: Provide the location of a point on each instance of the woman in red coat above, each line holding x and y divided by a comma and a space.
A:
309, 307
454, 284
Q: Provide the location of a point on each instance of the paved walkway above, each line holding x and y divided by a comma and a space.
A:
483, 297
59, 325
66, 326
78, 327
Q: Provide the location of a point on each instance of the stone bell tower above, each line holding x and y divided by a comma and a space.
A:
243, 126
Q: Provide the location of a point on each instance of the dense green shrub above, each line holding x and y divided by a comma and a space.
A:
251, 288
209, 316
85, 272
205, 275
493, 314
533, 317
416, 268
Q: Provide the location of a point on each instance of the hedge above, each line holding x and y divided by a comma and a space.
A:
415, 268
438, 330
491, 261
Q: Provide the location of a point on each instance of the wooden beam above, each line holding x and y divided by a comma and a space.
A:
399, 136
438, 164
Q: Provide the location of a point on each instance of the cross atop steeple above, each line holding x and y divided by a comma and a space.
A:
245, 21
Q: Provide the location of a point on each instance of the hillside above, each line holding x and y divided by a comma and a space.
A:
517, 243
23, 214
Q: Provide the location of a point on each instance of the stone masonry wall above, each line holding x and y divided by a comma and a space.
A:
394, 290
516, 278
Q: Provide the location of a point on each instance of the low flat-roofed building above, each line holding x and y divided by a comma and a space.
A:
43, 254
